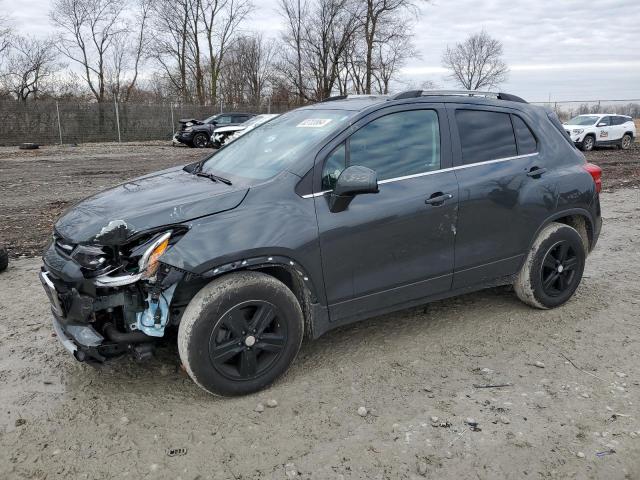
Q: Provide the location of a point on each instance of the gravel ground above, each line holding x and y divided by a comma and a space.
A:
37, 186
399, 396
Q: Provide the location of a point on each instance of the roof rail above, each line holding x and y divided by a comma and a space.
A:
350, 97
468, 93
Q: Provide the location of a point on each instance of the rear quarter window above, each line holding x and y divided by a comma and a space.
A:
526, 140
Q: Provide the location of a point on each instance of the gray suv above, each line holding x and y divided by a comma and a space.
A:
328, 214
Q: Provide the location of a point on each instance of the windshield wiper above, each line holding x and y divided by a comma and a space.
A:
215, 178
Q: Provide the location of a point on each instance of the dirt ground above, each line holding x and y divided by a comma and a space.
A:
37, 186
565, 401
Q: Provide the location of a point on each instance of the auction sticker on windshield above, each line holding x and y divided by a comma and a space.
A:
314, 123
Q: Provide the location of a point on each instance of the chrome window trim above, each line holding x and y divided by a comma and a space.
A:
433, 172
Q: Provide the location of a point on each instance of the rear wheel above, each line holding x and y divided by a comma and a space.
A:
240, 333
625, 143
200, 140
553, 268
588, 143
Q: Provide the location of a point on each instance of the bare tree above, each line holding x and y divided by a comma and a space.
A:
5, 32
89, 29
221, 20
129, 49
293, 12
315, 52
477, 62
378, 15
171, 34
30, 63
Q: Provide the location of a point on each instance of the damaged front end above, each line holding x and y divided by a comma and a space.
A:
110, 299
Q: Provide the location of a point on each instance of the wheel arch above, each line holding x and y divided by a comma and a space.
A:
578, 218
285, 269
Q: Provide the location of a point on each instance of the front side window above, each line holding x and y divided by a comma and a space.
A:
485, 135
223, 119
604, 122
266, 151
395, 145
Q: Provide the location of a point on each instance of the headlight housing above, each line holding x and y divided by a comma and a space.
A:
578, 131
188, 130
148, 263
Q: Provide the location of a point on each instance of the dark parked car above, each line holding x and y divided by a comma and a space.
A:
198, 133
326, 215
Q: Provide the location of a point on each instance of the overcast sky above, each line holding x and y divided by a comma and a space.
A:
562, 49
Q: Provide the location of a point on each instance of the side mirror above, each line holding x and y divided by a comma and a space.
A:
354, 180
602, 124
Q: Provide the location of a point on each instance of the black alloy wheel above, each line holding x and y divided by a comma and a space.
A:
248, 340
558, 270
200, 140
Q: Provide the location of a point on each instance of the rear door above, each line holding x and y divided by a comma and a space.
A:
393, 247
616, 130
505, 193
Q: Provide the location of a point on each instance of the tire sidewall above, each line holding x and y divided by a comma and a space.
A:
585, 146
564, 233
212, 307
197, 135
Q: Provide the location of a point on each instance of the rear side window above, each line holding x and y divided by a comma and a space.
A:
524, 136
485, 135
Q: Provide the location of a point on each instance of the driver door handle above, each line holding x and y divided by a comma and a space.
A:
438, 198
536, 172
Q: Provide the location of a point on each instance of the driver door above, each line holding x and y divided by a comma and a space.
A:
603, 129
392, 248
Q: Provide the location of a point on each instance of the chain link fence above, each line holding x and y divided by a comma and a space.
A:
51, 122
567, 109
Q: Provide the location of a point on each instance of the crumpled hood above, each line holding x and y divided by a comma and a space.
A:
163, 198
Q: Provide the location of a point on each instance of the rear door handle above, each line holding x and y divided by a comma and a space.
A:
438, 198
536, 172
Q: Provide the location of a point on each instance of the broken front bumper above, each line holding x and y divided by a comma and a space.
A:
102, 317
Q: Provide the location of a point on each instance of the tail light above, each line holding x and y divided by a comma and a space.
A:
596, 173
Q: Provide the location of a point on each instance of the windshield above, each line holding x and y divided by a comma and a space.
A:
269, 149
583, 120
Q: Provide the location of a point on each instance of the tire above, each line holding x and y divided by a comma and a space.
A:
229, 342
4, 259
200, 140
29, 146
553, 268
588, 143
625, 143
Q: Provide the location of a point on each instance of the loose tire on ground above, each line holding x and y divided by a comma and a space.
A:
29, 146
4, 259
553, 268
588, 143
229, 342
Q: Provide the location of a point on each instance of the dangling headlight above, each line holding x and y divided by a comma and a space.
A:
148, 263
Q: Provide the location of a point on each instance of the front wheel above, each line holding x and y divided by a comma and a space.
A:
588, 143
200, 140
625, 143
240, 333
553, 268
